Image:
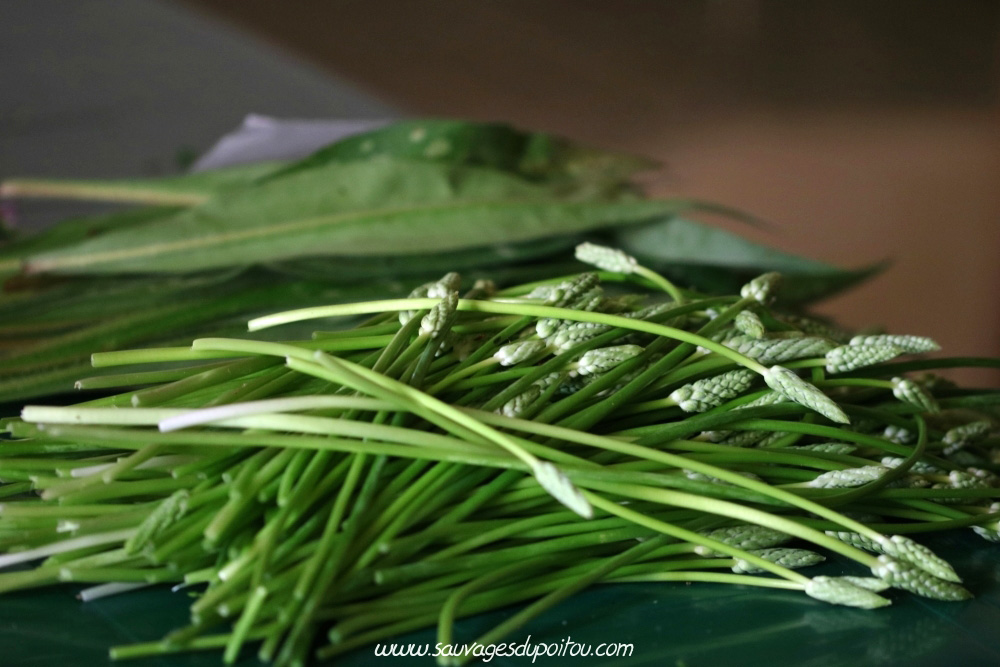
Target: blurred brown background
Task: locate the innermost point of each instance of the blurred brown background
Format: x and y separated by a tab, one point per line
863	130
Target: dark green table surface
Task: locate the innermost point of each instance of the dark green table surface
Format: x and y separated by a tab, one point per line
668	624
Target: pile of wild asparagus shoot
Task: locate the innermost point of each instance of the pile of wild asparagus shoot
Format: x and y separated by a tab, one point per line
467	449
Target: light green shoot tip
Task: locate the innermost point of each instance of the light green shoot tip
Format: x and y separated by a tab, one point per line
608	259
762	288
837	590
559	487
794	388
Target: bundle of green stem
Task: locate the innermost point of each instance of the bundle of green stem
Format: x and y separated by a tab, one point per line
51	328
458	452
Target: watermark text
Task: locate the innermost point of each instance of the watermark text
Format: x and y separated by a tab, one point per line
522	649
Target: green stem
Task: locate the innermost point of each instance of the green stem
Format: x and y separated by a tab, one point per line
500	308
709	577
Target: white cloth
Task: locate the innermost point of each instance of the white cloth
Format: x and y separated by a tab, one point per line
262	138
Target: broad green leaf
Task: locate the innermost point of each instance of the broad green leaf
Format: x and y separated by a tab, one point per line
69	232
181	190
377	207
718	261
689	242
448	141
533	154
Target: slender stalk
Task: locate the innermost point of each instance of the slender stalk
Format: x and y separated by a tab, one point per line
388	305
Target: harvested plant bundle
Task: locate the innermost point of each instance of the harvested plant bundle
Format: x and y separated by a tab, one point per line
464	451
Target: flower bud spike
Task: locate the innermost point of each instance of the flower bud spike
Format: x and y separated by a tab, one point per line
903	548
449	282
967	434
772	437
790	385
619	305
744	536
910	392
961	479
518	351
848	478
748	323
909	344
762	288
990	531
547	327
790	558
561	488
779	350
650	312
543	292
603	359
838	590
616	261
826	448
420	292
744	438
438	322
547	381
573	383
168	512
712	392
898	434
770	398
702	477
435	289
516	406
908	577
857	540
918	467
605	258
868	583
572	334
589	301
984	476
568	291
850	357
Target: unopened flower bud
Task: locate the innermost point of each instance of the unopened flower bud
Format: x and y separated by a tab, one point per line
762	288
603	257
909	344
790	385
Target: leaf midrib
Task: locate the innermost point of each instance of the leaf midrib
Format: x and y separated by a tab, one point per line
41	264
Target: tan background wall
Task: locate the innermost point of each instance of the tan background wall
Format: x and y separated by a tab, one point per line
864	131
